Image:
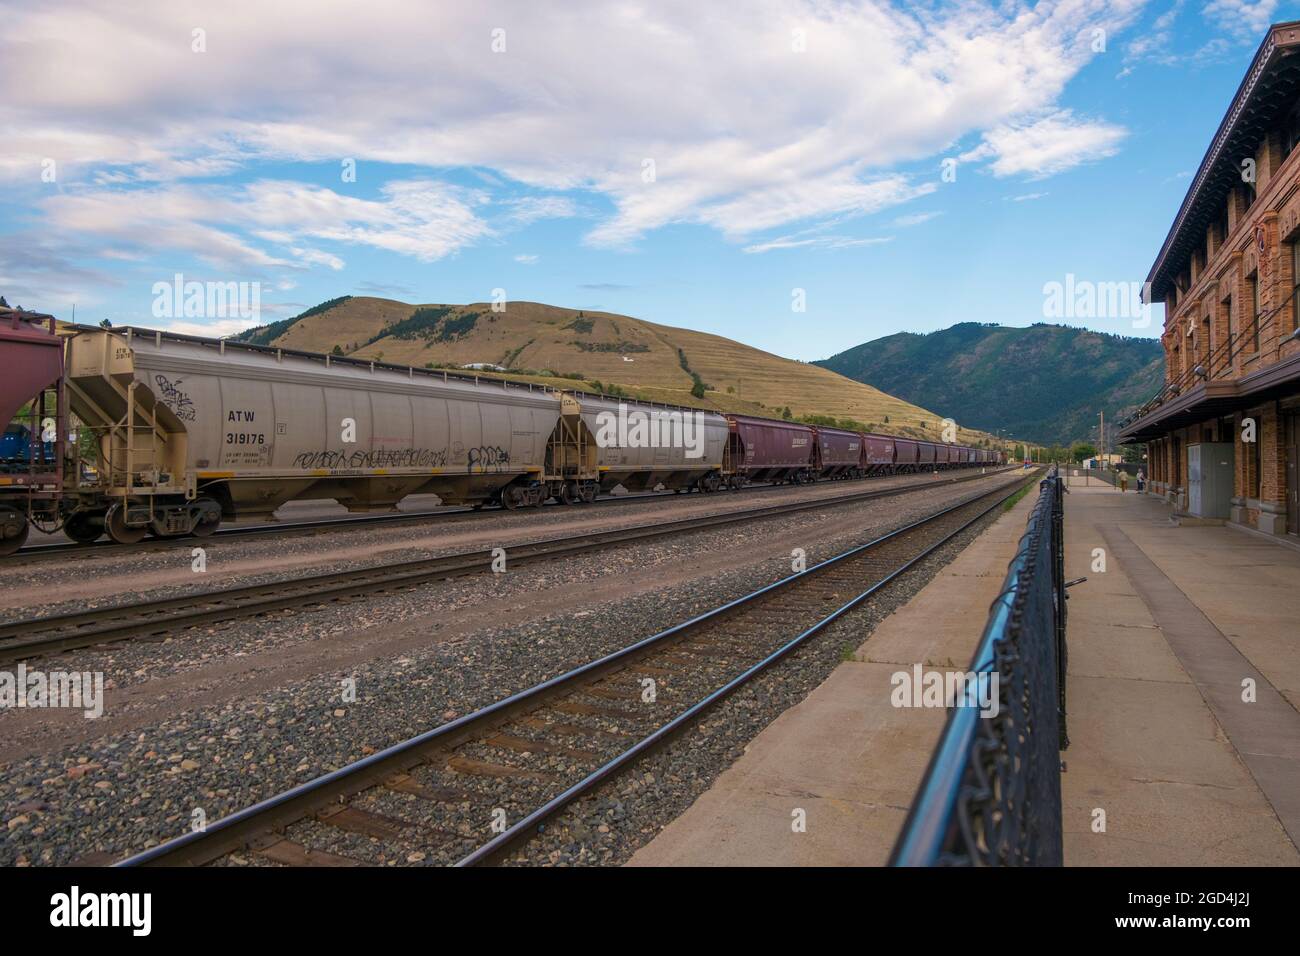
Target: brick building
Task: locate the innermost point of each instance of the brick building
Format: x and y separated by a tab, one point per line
1223	432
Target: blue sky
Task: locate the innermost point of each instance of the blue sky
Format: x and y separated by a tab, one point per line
795	146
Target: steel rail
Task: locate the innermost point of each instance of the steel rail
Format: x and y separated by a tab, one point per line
34	553
502	842
105	625
238	829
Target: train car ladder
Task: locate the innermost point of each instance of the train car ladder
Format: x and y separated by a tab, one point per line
571	452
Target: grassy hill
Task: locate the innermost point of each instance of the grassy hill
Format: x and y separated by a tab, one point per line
599	351
1045	383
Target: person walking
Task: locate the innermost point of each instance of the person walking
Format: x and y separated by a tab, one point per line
1142	481
1123	481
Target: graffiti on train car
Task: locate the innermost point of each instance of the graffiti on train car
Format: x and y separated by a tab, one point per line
373	458
172	396
487	458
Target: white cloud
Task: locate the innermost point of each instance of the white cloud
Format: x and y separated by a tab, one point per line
818	242
1243	19
916	218
1155	42
526	258
238	228
217	328
745	133
1044	145
529	209
316	257
1026	197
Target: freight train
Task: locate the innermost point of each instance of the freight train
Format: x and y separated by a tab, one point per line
191	431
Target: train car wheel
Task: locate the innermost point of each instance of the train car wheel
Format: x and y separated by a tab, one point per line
119	530
82	528
205	529
565	497
208	521
510	499
13	530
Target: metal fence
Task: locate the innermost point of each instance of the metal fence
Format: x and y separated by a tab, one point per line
1109	475
991	795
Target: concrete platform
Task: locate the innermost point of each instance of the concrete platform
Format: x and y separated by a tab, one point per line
1160	641
846	756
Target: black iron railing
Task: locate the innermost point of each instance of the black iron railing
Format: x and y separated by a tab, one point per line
991	795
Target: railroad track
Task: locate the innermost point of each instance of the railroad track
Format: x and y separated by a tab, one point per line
33	637
470	790
61	550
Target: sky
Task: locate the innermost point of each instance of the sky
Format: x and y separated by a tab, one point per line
799	176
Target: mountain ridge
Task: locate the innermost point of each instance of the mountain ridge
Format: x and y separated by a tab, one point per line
1045	383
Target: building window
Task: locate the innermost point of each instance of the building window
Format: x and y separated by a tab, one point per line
1254	461
1225	338
1295	283
1291	134
1253	329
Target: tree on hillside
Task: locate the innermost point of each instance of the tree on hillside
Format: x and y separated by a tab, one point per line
1082	450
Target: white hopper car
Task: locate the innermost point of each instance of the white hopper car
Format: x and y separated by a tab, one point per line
193	430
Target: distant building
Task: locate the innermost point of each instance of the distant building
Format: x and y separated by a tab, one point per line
1228	275
1103	461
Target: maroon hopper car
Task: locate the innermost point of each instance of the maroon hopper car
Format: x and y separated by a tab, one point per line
763	449
877	454
926	452
907	454
839	452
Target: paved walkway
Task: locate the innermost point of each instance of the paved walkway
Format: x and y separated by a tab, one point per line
1185	771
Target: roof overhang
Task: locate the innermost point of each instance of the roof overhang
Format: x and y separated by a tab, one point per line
1269	88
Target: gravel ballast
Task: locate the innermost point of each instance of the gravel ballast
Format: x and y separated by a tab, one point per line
121	792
